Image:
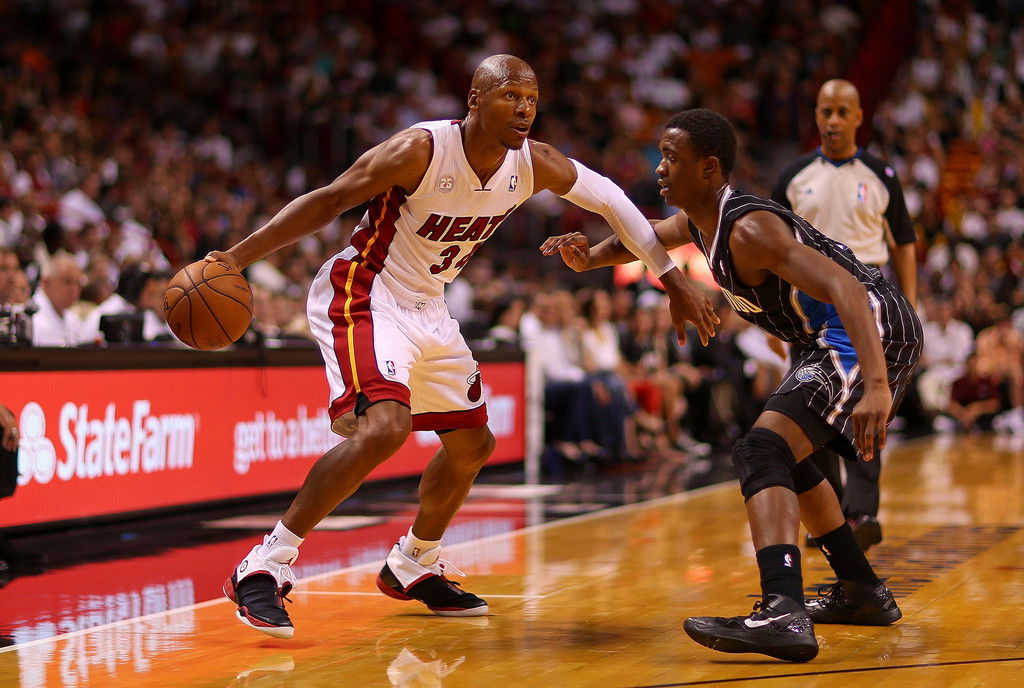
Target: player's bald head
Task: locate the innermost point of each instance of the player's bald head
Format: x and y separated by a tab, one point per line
500	69
839	89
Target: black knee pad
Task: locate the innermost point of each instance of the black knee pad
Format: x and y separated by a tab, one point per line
806	475
763	459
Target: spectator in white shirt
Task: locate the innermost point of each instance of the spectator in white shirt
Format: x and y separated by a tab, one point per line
568	394
139	290
20	291
1010	217
60	286
8	266
79	208
11	222
947	344
602	360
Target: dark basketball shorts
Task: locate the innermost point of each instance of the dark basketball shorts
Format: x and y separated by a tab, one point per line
823	386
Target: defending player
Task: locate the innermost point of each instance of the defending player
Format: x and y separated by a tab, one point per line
395	359
855	198
854	339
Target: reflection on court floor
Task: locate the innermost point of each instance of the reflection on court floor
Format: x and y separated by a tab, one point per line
593	600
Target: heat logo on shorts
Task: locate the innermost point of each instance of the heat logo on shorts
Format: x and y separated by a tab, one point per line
475	387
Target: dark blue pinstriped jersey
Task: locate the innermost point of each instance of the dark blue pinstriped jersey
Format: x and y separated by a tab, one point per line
781	309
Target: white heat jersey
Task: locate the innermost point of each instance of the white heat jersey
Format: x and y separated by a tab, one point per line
420	242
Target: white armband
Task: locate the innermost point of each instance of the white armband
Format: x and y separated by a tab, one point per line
603	196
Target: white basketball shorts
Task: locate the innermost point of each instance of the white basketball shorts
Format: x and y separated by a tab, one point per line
378	348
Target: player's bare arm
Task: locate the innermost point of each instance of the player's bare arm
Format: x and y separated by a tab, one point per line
578	254
400	161
762	243
551	169
555	172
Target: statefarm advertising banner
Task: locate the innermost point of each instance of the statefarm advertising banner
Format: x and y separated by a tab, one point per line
104	442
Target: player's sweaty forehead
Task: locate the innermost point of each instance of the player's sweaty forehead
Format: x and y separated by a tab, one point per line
502	70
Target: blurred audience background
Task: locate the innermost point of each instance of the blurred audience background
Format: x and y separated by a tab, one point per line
136	135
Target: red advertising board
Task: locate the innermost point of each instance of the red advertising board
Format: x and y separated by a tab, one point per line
105	442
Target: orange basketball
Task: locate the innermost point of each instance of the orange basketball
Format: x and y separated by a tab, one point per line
208	305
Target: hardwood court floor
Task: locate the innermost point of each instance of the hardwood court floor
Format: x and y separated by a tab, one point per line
599	601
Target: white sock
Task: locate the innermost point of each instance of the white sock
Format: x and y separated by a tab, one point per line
413	547
281	537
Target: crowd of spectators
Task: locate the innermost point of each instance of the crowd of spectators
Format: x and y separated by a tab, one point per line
192	121
951	129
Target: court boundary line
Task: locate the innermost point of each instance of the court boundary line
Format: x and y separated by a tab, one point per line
367	593
591	515
829	672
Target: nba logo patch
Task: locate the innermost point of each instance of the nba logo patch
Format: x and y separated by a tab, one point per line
513	182
390	365
862	192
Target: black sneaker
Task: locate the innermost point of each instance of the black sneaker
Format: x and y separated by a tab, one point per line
855	603
428	584
867	531
778	627
259	586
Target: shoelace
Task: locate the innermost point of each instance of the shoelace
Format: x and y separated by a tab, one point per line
830	592
444	565
286	574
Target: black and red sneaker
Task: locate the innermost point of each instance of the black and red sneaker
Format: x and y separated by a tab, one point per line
259	586
426	582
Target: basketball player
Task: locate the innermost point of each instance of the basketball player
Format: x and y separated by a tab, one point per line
395	359
854	343
855	198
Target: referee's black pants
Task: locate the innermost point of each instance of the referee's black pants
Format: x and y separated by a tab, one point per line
860	495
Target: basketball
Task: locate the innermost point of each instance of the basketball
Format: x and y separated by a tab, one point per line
208	305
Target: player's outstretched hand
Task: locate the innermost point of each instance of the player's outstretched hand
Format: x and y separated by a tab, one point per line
687	302
870	417
574	248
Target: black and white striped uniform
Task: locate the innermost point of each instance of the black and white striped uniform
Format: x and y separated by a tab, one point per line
824	362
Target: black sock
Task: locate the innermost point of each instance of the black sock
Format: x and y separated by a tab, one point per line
780	571
845	556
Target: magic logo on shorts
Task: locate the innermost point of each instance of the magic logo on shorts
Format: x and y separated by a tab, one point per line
807	373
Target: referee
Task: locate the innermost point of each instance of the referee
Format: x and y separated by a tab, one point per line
855	198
